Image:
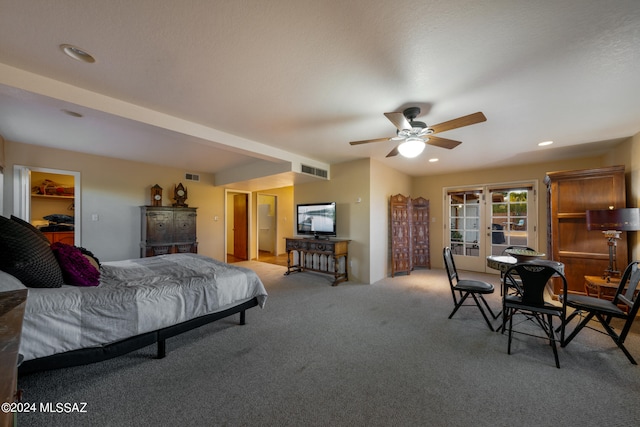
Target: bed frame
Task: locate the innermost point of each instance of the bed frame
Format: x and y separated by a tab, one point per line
86	356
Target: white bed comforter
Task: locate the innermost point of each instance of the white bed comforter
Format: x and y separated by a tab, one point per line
134	296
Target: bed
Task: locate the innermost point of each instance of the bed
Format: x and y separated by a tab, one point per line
135	302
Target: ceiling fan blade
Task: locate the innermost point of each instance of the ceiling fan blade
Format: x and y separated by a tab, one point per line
366	141
398	120
393	152
471	119
443	142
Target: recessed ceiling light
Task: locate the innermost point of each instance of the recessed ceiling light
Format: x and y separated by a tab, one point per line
542	144
71	113
433	160
77	53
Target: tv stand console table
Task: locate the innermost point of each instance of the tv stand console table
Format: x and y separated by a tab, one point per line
319	255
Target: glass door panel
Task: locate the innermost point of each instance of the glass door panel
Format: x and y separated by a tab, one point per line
510	217
465	216
485	220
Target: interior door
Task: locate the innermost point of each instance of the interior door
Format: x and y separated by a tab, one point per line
240	226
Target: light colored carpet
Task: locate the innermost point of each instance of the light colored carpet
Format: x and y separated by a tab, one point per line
375	355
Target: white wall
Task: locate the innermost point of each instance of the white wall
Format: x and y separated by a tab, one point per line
115	189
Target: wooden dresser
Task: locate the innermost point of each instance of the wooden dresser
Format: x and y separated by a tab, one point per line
319	255
569	195
66	237
168	230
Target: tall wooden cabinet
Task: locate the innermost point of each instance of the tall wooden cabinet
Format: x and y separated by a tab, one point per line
409	233
569	195
420	232
401	259
167	230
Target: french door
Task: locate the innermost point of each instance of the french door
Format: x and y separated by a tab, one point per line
484	220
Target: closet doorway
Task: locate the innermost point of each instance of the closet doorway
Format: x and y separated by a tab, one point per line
50	200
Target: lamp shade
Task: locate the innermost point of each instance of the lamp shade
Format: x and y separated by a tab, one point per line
412	147
627	219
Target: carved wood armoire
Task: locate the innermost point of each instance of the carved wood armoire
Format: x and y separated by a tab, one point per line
570	194
168	230
409	228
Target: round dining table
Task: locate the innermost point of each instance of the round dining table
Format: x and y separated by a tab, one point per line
503	262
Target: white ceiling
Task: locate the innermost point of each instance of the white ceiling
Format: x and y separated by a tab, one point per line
213	86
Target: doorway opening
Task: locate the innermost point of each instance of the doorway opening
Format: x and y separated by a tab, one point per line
237	225
266	225
50	200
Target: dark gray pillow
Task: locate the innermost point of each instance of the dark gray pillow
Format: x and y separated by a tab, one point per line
26	256
30	227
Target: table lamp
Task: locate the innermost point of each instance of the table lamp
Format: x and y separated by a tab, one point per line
612	222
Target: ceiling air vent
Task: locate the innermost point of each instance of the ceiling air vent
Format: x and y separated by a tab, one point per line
191	177
314	171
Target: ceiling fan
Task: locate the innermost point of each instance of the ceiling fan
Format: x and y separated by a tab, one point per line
414	134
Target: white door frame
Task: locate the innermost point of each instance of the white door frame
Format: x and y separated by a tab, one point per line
22	195
477	260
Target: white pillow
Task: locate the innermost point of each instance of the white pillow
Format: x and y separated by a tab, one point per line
9	282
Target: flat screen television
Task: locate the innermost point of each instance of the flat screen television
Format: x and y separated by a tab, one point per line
316	219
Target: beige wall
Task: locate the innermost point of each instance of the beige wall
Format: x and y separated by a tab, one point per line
628	154
2	157
115	189
633	191
361	190
285	224
385	182
430	187
349	182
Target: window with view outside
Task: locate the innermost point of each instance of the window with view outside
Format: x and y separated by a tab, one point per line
509	218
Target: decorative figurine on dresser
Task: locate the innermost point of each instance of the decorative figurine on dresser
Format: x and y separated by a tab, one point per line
180	195
168	229
156	195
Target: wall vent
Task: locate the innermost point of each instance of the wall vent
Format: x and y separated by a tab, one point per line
314	171
192	177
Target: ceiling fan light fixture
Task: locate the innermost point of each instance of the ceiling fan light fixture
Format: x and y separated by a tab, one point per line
411	148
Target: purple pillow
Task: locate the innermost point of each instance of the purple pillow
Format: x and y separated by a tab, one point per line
76	268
